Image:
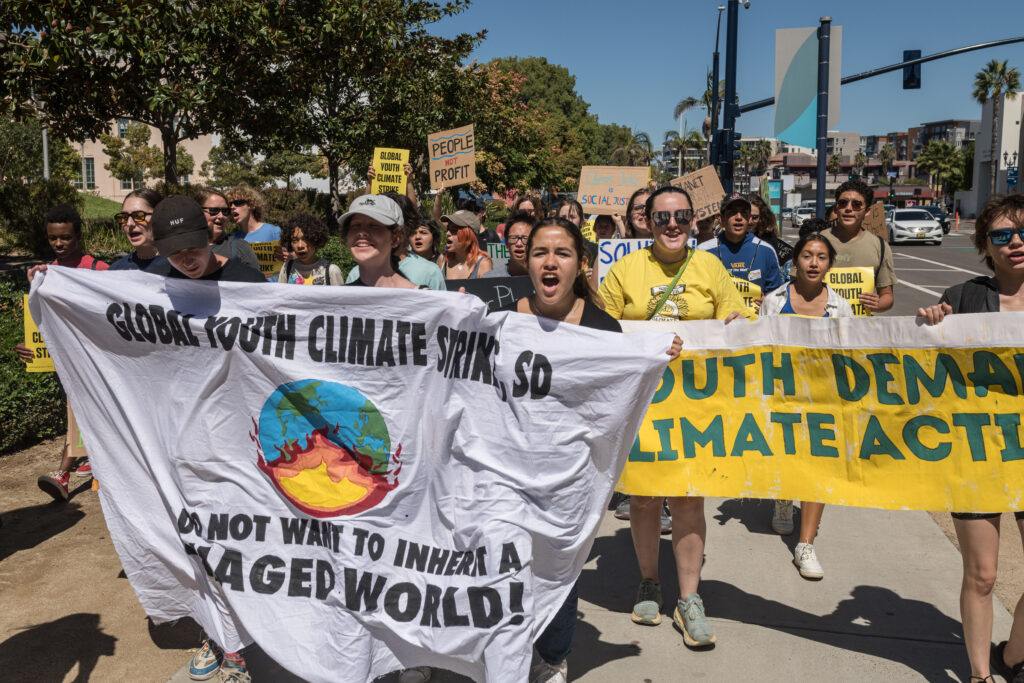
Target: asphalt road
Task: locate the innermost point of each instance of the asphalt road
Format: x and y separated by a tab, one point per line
924	271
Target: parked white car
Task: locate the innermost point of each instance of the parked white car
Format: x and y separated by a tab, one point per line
913	225
802	214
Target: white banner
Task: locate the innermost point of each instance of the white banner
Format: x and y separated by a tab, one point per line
358	480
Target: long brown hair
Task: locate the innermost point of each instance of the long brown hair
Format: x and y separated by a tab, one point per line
581	288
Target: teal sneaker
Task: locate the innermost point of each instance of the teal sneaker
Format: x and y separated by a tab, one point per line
689	617
647	610
205	663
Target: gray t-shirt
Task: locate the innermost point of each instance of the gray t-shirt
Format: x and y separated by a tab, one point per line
864	251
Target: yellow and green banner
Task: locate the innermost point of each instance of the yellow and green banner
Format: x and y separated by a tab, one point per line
869	412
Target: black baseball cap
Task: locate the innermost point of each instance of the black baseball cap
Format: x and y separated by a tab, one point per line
735	205
179	223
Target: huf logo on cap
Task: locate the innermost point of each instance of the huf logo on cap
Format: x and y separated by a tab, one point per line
176	221
369	201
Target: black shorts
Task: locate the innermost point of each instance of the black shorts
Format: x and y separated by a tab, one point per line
1019	515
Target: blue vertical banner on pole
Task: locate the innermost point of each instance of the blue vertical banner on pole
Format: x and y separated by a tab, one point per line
796	80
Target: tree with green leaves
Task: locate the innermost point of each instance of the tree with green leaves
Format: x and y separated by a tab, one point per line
637	151
21	153
760	155
835	163
991	83
943	162
185	68
132	158
886	156
860	161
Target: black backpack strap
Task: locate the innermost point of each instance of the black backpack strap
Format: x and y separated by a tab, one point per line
881	259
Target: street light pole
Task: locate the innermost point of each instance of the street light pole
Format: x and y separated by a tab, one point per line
730	111
824	34
714	94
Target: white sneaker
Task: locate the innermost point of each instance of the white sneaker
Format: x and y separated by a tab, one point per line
550	673
782	520
417	674
806	560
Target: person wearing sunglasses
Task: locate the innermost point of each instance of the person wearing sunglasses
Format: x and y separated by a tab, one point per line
517	232
856	248
999	238
748	260
247	212
218	214
133	219
634	226
670	281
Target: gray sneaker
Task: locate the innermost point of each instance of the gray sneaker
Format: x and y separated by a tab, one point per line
689	617
647	610
622	509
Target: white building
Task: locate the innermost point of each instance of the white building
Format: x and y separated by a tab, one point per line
1009	142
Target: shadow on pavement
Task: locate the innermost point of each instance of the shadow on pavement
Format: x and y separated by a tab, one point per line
874	621
182	634
27	527
590	652
613	582
74	639
756	517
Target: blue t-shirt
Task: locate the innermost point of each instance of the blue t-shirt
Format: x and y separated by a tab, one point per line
268	232
751	260
416	269
133	262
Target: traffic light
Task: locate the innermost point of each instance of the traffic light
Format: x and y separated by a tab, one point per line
892	192
734	137
911	74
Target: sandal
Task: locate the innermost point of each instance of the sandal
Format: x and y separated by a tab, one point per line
982	679
1012	674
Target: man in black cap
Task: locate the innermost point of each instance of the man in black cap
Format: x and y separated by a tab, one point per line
180	234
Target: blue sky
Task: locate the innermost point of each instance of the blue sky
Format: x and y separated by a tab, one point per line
634	60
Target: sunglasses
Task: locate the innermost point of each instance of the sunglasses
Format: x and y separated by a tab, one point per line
639	208
138	216
856	204
661	219
238	202
1003	237
217	210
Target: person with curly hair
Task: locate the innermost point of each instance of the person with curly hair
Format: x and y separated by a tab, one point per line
303	235
247	211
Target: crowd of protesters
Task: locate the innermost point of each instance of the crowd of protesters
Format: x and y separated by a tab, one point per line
688	272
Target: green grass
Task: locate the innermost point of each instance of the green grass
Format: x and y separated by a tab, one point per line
97	207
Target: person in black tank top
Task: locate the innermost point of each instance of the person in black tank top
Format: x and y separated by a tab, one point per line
999	238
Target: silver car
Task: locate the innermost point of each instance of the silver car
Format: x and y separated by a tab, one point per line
912	225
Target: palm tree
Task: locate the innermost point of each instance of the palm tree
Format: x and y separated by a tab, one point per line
859	162
674	145
835	163
887	155
991	82
760	155
942	162
636	152
687	103
692	139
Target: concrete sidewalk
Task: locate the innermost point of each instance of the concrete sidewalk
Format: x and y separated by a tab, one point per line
887	608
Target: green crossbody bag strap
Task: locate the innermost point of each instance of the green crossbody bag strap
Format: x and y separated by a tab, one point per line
672	285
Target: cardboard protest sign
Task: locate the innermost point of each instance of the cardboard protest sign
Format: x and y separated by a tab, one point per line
452	157
496	292
872	412
705	190
366	483
850	283
266	254
874	221
389	166
41	361
607	189
610	251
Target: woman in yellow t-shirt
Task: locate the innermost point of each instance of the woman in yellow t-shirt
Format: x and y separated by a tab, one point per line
648	285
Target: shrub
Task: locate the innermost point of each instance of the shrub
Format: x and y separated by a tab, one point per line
280	205
22	208
32	404
338	254
498	212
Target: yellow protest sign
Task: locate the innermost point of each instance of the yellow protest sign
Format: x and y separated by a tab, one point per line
41	361
871	412
750	293
389	166
452	157
850	283
588	230
266	254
